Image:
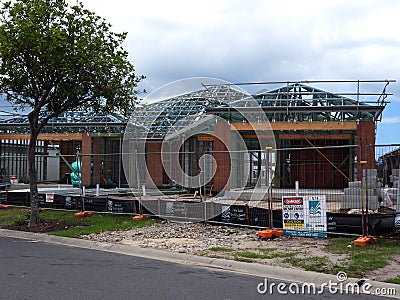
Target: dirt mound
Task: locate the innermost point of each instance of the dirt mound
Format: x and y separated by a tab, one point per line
48	226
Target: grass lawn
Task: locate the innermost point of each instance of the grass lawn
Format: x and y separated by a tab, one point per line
64	223
363	259
356	261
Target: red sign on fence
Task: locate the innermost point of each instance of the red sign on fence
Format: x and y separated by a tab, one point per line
293	201
50	198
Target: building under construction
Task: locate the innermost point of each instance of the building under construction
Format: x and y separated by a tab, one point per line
291	156
335	131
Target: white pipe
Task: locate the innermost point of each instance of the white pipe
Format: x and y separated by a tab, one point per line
144	189
296	184
398	199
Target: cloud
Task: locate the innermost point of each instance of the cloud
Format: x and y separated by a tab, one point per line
242	41
391	120
267	40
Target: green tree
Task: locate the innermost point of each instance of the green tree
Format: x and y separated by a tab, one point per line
56	57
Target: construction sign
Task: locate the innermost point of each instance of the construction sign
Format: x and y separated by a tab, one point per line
304	215
49	198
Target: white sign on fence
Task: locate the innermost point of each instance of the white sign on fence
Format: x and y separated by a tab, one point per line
50	198
304	215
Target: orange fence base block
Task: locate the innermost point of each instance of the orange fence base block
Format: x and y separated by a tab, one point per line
4	207
278	233
83	214
373	240
270	233
364	241
265	234
139	217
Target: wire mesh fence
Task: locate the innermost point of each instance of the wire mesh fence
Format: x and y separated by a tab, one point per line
310	190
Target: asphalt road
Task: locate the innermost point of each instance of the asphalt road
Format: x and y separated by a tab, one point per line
38	270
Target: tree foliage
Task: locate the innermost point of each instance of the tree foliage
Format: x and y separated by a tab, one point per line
56	57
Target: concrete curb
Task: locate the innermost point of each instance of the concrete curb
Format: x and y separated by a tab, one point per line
272	272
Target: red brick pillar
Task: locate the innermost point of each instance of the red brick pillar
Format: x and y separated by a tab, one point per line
222	143
85	157
366	142
154	164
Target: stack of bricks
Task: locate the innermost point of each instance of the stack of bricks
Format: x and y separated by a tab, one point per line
372	187
352	198
394	192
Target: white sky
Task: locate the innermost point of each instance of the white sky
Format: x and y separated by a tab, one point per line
261	40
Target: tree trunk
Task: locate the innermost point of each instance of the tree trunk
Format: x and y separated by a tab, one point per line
34	195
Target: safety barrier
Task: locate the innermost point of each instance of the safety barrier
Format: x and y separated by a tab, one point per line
312	192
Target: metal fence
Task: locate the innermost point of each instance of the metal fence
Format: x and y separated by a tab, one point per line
305	190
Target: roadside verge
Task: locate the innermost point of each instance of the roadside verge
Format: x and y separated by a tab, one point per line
265	271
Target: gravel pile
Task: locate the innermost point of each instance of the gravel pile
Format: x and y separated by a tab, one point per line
180	237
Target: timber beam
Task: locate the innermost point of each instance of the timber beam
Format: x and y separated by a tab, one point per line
58	136
280	126
43	136
315	136
300	136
